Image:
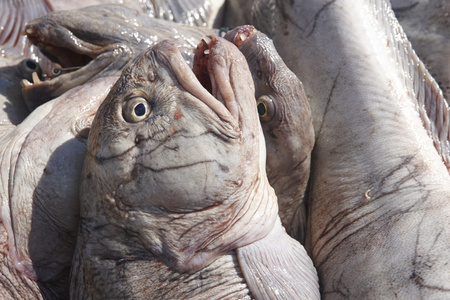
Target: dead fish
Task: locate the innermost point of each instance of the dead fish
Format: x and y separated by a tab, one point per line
379	190
174	179
66	190
97	41
41	161
286	120
427	25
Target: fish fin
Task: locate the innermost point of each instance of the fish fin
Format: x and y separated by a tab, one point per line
278	267
430	103
192	12
15	15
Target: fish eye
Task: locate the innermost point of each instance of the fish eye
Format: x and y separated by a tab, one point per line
266	108
136	109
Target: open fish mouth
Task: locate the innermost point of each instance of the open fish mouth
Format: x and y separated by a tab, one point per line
209	81
77	61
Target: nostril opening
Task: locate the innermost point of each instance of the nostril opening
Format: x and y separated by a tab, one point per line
31	64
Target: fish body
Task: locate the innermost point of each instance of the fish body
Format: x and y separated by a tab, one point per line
188	188
41	161
379	186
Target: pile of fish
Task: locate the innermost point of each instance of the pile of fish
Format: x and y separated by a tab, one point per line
148	152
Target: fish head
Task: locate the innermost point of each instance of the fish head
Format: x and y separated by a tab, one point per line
282	105
81	45
163	147
160	118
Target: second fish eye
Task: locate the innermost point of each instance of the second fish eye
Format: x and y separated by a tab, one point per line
266	108
136	109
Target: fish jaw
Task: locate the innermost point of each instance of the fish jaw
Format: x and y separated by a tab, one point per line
61	45
186	181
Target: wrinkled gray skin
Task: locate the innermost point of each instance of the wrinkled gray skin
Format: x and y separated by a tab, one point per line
427	25
379	190
40	163
286	120
98	41
67	189
174	179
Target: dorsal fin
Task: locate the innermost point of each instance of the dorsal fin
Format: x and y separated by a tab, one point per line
430	103
15	14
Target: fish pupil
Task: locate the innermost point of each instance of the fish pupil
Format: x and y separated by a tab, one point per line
262	109
139	110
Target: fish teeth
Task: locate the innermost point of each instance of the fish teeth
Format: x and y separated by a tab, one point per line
36	78
25	83
29	30
242	36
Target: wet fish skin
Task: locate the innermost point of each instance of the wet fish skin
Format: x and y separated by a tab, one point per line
188	139
190	12
286	121
41	161
379	208
164	130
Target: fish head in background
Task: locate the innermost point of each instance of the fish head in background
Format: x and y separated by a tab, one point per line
286	121
96	41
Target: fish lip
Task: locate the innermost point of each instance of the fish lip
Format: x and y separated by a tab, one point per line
191	83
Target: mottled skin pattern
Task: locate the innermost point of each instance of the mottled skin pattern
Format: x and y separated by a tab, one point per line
286	122
66	190
188	186
190	173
